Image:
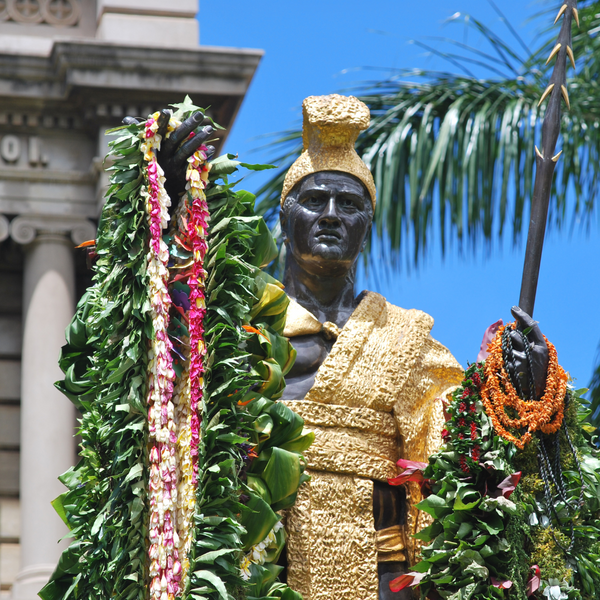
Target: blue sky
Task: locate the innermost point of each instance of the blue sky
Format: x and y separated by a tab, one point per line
320	47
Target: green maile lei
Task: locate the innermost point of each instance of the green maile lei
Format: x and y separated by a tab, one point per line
493	534
250	455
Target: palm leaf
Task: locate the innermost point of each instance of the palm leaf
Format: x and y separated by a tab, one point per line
464	147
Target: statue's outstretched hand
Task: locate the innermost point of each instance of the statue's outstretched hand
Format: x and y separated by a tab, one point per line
518	365
175	150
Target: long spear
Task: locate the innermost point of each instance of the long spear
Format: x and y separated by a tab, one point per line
546	159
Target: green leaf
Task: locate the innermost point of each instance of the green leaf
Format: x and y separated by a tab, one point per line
429	533
492	523
116	375
478	570
58	505
435	506
134	472
256	484
263	425
232	438
271	375
464	530
214	580
253	167
258	519
97	524
224	165
185	108
209	557
300	443
460	505
501	503
282	472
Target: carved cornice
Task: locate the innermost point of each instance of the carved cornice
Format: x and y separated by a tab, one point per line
26	228
104	66
84	84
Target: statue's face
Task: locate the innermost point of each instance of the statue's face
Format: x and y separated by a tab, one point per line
327	224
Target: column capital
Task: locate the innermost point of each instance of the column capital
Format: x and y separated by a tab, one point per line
24	229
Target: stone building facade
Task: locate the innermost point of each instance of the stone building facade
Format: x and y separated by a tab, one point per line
70	69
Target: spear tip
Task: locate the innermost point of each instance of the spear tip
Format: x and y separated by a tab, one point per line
571	55
576	15
546	93
565	94
554	52
561	12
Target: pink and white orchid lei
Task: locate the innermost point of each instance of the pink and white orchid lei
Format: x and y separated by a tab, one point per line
189	437
165	568
186	490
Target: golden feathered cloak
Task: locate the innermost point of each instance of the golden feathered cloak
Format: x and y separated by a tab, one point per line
376	398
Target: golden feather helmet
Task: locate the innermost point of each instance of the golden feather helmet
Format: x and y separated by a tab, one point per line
331	125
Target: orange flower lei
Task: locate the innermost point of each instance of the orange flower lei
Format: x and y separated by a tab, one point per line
498	393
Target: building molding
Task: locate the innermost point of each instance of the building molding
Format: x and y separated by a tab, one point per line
109	66
160	10
48	175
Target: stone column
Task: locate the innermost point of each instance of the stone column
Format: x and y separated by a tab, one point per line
47	417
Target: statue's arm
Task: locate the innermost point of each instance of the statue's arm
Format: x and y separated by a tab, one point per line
179	146
527	358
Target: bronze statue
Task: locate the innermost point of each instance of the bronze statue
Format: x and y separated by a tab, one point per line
369	379
365	372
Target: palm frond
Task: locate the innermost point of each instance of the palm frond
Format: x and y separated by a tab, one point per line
463	147
286	148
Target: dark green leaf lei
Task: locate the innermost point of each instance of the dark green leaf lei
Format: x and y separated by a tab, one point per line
492	536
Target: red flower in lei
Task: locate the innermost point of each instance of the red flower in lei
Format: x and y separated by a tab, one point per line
464	422
463	463
473	430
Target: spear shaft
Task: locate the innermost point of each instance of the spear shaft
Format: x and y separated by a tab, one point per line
546	159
